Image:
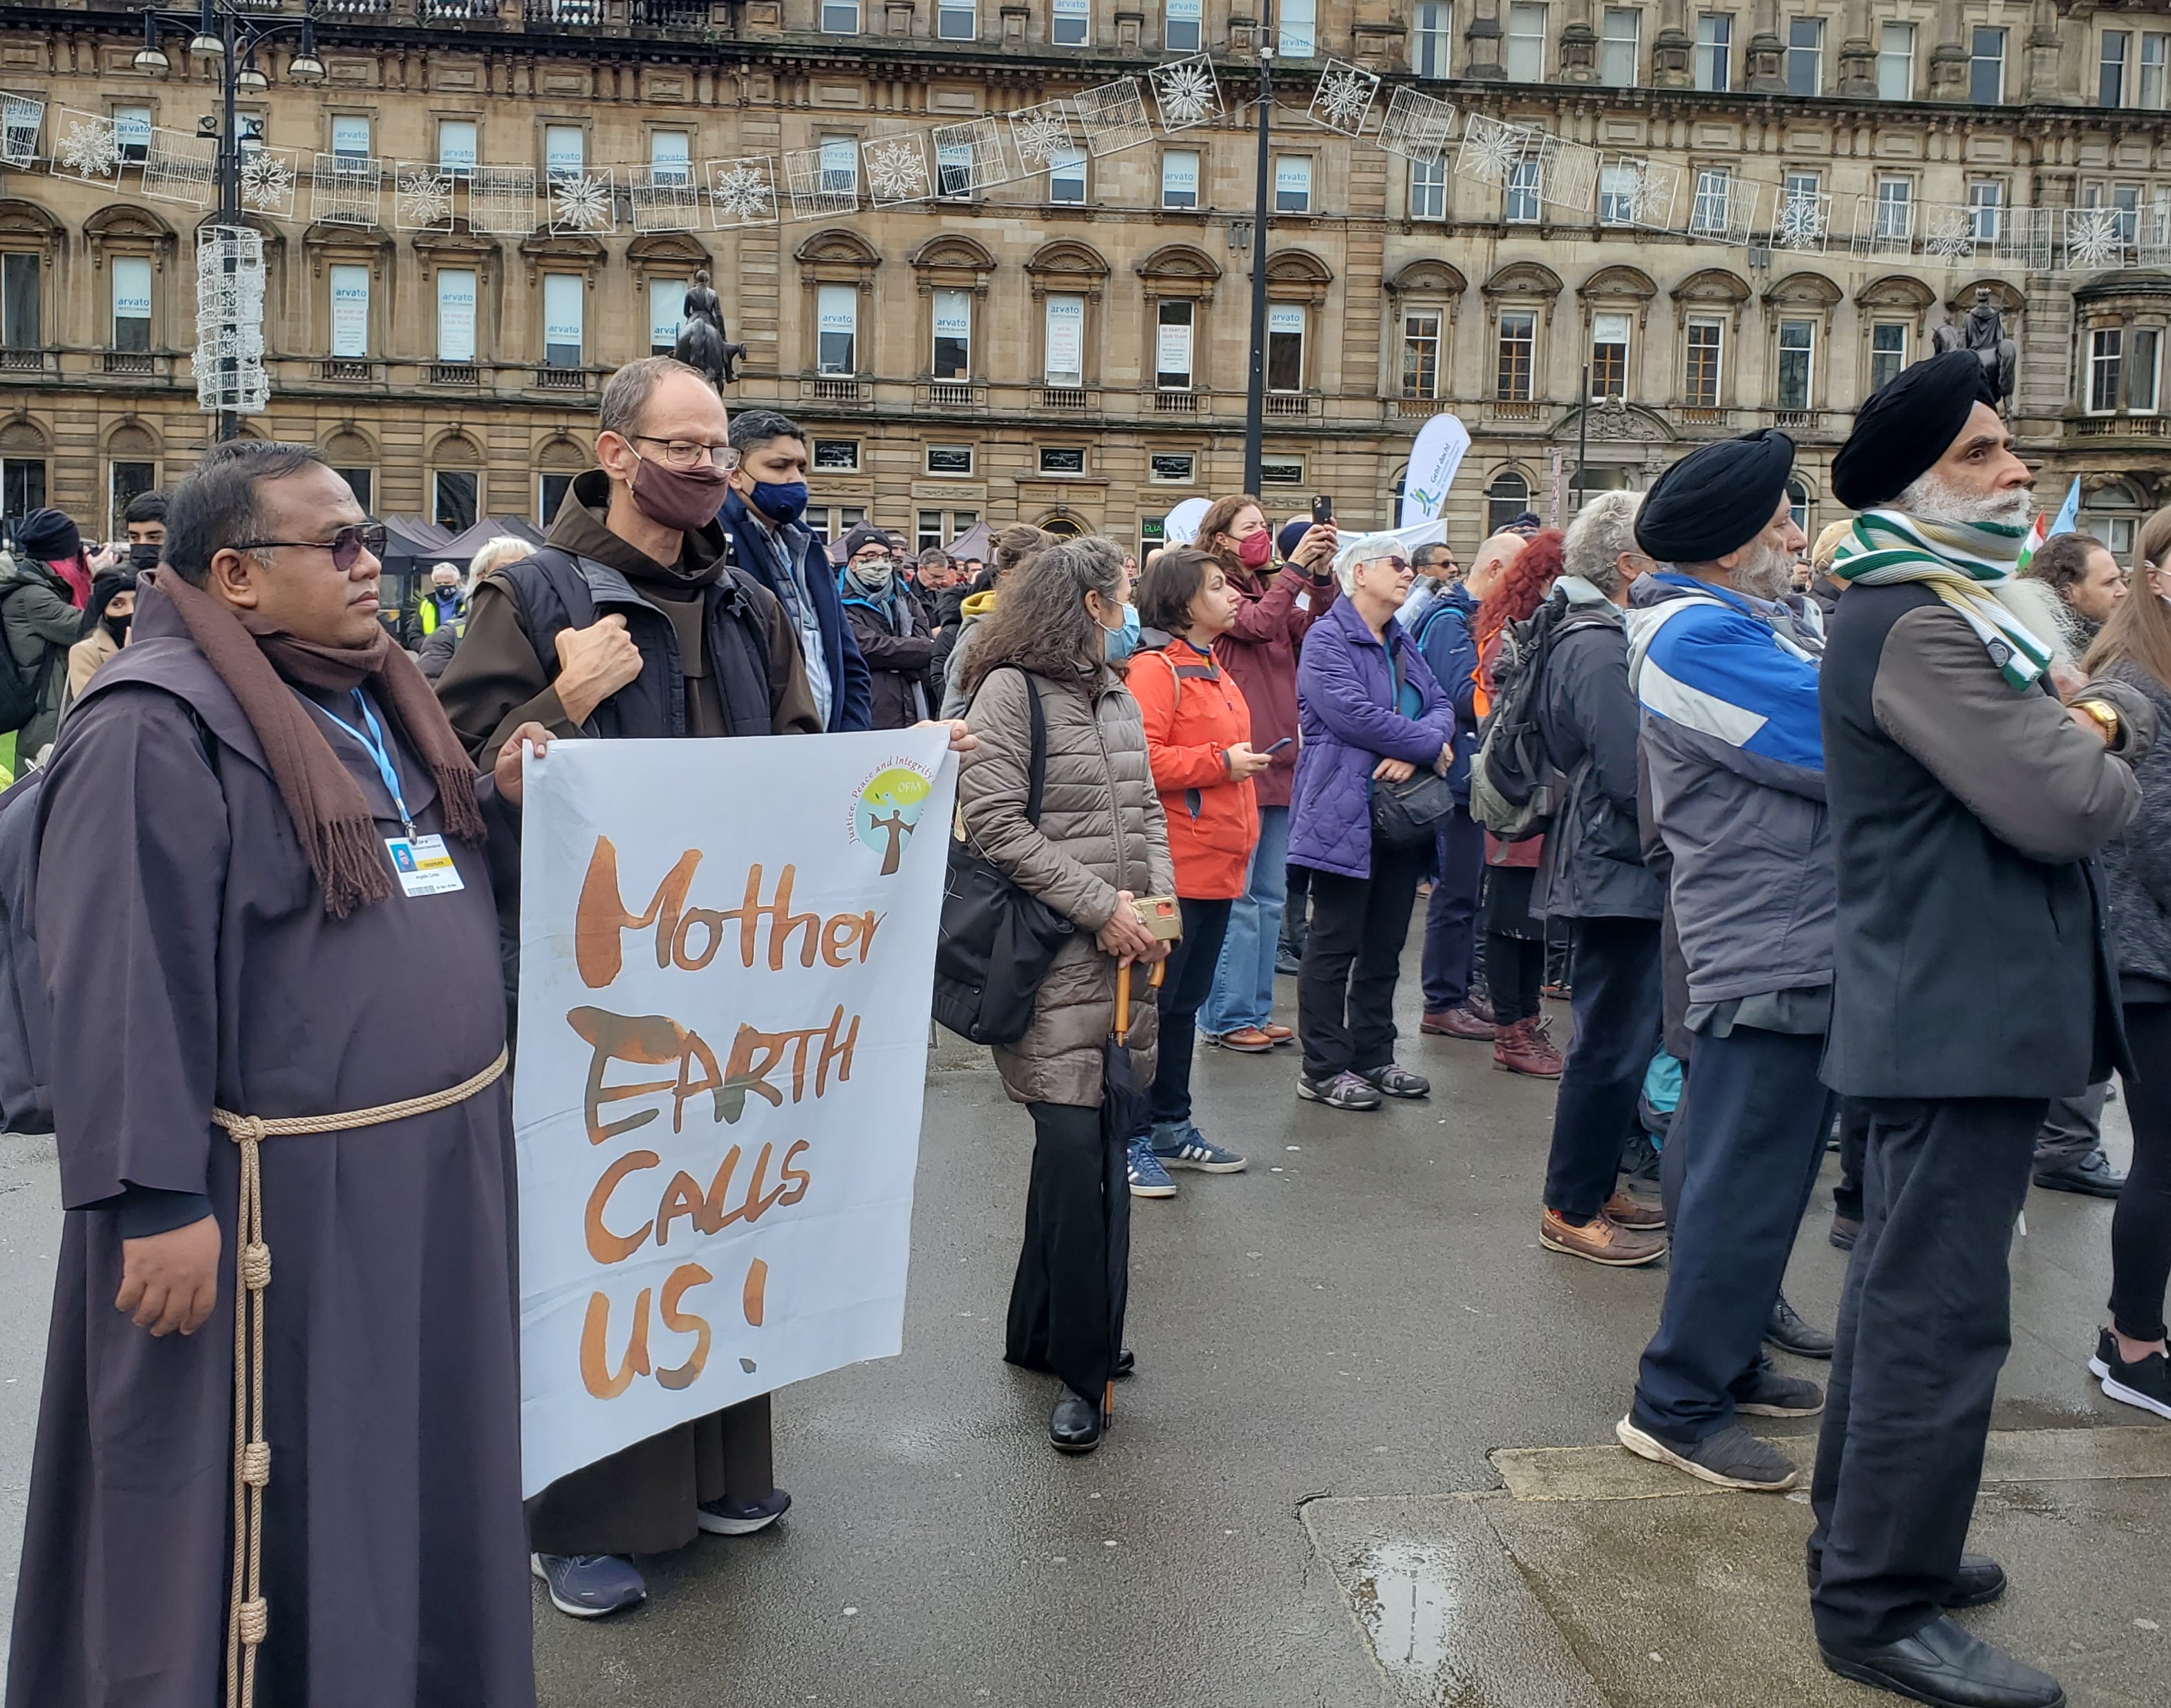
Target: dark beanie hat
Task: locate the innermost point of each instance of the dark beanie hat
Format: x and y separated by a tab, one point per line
865	534
1902	430
49	536
1717	498
1291	536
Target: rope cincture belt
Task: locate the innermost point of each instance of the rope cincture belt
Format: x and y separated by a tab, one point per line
249	1614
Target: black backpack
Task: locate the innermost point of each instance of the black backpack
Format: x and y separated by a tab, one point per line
1515	787
22	687
26	1098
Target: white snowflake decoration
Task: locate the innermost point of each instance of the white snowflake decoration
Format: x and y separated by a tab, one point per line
88	148
1417	126
21	118
1652	195
1114	117
1187	93
742	192
345	191
180	168
267	182
2094	238
1948	234
1344	96
584	203
819	191
971	156
1041	133
897	170
1491	149
665	199
1802	221
501	200
421	198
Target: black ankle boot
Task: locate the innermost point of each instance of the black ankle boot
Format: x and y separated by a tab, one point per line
1075	1424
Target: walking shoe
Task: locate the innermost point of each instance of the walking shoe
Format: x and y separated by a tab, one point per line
1278	1034
1785	1331
1782	1396
1845	1230
1455	1023
1148	1179
1526	1047
1624	1209
1183	1146
1287	962
1734	1458
2145	1383
588	1586
2091	1176
1345	1090
1248	1041
1600	1241
1947	1665
729	1517
1397	1081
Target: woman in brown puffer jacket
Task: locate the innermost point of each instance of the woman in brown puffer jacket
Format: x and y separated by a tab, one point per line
1101	841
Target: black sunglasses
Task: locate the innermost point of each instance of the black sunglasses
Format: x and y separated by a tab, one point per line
346	545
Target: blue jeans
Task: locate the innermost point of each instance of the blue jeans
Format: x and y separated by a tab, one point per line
1243	993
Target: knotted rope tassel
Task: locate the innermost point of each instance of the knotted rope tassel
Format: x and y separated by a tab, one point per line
249	1616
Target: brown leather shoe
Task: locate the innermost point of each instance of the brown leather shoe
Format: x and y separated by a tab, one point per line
1624	1209
1455	1023
1278	1034
1250	1040
1524	1048
1600	1241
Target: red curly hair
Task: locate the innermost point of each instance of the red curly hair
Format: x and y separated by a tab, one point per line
1524	588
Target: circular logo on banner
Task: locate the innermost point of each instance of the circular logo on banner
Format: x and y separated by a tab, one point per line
887	809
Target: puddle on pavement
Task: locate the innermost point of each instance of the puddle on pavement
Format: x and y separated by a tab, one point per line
1408	1598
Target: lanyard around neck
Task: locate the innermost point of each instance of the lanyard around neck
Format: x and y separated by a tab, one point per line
374	744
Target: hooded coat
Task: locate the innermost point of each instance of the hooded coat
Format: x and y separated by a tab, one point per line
1193	714
891	634
41	621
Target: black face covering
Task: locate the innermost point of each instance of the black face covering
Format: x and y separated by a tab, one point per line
143	557
117	627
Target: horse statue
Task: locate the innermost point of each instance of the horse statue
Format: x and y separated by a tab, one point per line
1982	333
701	341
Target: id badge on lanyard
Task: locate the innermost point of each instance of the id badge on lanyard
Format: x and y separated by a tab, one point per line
423	864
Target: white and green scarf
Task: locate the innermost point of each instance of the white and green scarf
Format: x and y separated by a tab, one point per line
1961	563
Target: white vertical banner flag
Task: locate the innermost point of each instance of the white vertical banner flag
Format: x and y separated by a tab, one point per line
723	1048
1434	459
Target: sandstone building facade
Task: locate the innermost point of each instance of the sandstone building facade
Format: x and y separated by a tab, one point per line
1071	348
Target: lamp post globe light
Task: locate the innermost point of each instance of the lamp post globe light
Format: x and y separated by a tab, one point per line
218	33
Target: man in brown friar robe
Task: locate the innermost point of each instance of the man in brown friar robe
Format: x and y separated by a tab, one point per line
263	892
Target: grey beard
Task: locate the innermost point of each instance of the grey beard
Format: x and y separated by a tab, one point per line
1928	499
1768	575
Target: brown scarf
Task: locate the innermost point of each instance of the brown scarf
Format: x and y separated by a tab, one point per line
331	816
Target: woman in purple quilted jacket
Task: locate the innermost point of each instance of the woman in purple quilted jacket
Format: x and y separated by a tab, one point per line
1368	712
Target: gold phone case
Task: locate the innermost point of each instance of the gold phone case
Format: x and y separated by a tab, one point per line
1161	916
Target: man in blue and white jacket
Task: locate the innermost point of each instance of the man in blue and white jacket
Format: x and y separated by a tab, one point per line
1726	676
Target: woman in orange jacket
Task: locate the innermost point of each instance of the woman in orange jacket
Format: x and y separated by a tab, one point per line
1199	736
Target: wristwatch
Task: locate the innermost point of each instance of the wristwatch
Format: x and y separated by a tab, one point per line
2105	717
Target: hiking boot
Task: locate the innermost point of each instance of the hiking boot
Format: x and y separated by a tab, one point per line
1148	1178
1733	1458
1455	1023
1397	1081
1624	1209
1181	1145
1600	1241
1782	1396
1345	1090
1525	1047
1246	1041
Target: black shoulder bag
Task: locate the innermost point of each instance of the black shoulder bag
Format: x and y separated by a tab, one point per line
997	942
1409	814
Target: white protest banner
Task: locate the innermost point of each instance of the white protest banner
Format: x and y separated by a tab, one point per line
1181	526
727	951
1434	460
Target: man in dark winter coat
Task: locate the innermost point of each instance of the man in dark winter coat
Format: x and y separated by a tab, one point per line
890	628
1972	986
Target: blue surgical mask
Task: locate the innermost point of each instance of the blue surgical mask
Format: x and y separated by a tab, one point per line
781	504
1124	641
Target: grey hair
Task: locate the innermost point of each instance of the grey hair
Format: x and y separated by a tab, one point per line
1041	622
627	392
505	548
1369	549
1601	531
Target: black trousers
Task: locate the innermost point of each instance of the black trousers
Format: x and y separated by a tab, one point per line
1296	916
1514	974
1189	976
1853	1145
1450	934
1345	996
1072	1275
1925	1325
1617	1001
1751	1135
2141	1226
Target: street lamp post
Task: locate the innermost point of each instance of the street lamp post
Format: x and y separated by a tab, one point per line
217	32
1255	392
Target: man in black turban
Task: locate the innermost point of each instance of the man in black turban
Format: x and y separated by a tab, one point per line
1903	430
1968	988
1723	514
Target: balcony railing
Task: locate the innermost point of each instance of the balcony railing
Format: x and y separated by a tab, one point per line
26	362
1176	403
668	15
1797	419
458	11
347	370
949	393
1698	415
452	374
1515	409
833	388
1070	400
580	13
357	8
1288	403
131	362
1411	409
562	379
2122	427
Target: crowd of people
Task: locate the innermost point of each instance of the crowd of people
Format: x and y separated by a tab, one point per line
1856	844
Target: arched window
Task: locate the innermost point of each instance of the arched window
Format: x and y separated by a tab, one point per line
1507	498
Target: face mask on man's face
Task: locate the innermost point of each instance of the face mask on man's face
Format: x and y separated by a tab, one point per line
142	557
